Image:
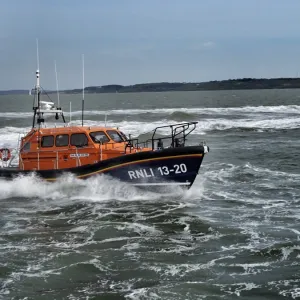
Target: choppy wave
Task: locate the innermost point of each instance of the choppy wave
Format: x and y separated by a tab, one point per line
282	109
265	182
250	124
9	135
174	240
182	116
233	119
289	109
69	232
225	237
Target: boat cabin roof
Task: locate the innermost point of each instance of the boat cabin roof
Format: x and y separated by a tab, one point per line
96	133
72	129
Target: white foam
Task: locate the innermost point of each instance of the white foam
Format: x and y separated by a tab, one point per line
139	228
142	293
223	174
252	268
79	229
99	188
293	292
237	288
289	109
9	135
286	251
287	288
246	123
180	269
16	115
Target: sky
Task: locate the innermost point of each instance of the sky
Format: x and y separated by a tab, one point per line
141	41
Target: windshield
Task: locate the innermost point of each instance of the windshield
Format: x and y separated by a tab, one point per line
99	137
115	136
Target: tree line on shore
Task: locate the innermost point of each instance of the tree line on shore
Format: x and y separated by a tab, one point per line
230	84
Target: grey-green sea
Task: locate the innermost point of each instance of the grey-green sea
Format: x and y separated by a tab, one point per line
234	235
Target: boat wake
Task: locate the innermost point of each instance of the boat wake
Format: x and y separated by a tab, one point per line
68	188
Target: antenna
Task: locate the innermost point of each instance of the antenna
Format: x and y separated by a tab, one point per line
82	88
37	54
37	104
58	104
70	112
37	87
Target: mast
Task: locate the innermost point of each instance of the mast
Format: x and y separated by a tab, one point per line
57	91
38	110
82	89
37	73
36	105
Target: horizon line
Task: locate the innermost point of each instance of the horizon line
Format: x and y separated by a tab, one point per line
158	82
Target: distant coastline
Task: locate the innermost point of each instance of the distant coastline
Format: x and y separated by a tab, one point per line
230	84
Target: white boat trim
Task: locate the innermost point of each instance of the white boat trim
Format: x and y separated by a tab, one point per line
160	183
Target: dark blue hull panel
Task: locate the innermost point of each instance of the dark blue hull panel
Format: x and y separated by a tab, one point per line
164	167
177	169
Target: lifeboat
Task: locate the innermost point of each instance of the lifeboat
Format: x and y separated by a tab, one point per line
85	151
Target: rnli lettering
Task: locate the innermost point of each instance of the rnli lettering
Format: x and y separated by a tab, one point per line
141	173
160	171
79	155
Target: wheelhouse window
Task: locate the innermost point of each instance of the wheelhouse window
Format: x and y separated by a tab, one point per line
79	140
115	136
47	141
62	140
99	137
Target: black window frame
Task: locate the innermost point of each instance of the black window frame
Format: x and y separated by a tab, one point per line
123	135
63	134
47	136
79	133
101	131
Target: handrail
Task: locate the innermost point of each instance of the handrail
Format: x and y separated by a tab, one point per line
176	130
77	157
173	125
